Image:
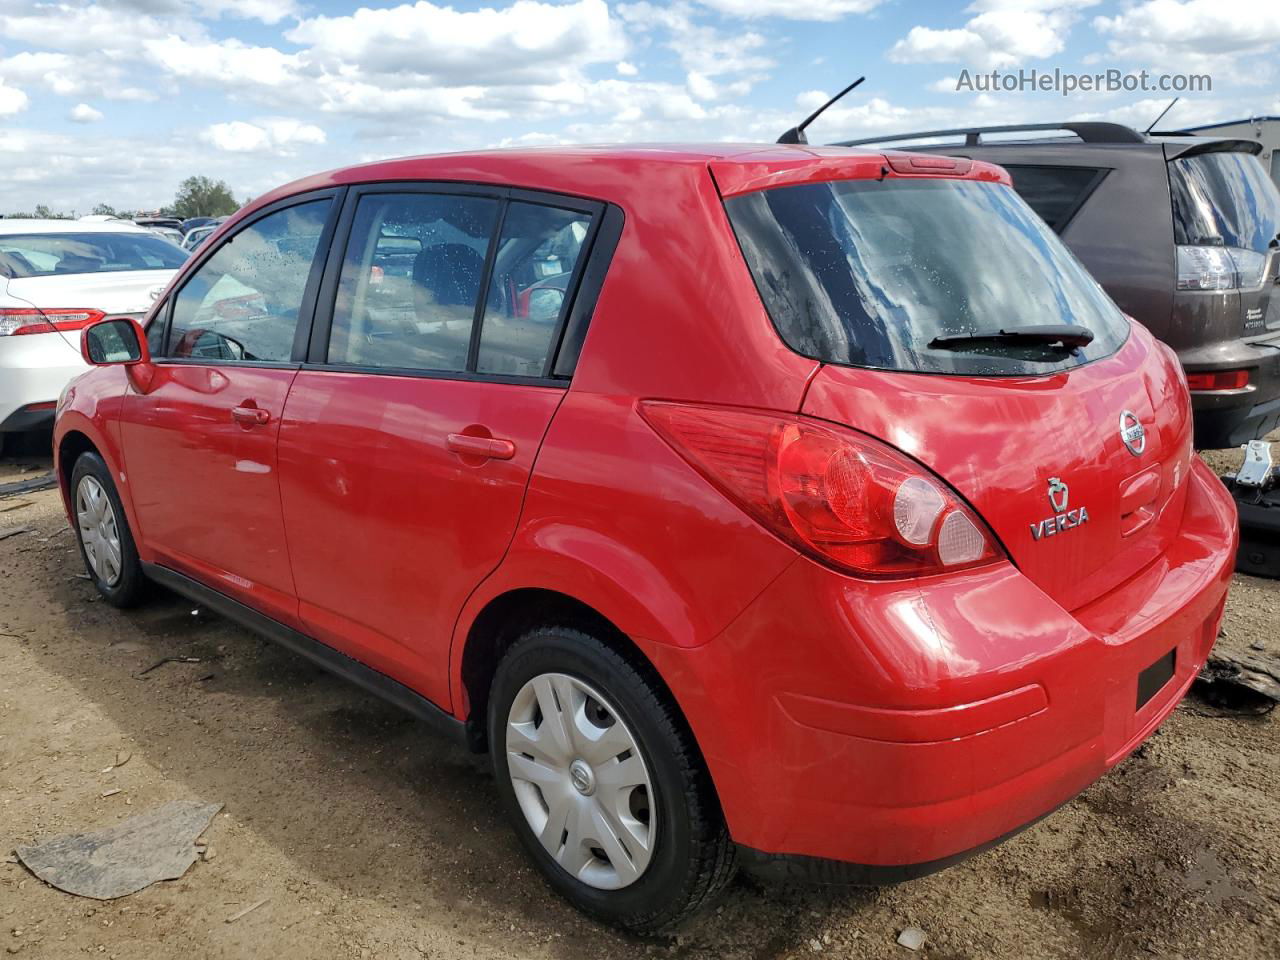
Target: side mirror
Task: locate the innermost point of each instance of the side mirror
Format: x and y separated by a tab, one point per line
114	340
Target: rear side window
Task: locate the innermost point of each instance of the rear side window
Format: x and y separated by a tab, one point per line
243	302
58	254
869	272
1056	193
533	272
1224	199
411	281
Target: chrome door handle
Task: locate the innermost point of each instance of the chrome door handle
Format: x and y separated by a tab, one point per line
250	416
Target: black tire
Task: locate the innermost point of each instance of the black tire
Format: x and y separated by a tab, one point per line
130	586
693	857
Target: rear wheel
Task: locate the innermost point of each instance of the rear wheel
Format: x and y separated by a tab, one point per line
604	784
106	543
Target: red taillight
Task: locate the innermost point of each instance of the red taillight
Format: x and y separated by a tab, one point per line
16	321
850	501
1218	380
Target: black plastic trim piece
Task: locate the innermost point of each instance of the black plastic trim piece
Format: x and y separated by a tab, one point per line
590	283
784	867
1153	679
319	653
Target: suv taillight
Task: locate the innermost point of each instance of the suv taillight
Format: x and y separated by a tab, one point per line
1219	268
839	496
16	321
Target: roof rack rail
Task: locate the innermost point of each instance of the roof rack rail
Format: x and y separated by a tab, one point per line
1089	132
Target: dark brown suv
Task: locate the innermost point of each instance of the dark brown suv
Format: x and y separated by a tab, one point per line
1182	231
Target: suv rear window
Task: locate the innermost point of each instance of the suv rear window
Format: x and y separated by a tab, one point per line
868	272
55	254
1224	199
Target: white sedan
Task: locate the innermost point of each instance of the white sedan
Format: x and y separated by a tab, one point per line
56	276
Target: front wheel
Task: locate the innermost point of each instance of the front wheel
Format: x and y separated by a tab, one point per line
603	782
106	543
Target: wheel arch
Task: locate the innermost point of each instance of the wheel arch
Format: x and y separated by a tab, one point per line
509	615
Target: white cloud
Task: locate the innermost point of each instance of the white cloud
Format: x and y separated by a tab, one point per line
626	69
94	29
1002	34
83	113
702	49
700	86
279	136
268	11
1217	36
228	63
72	76
789	10
525	42
12	100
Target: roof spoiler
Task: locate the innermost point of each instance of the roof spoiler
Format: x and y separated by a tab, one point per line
1087	131
1198	144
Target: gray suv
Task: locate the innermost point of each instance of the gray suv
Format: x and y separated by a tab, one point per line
1182	231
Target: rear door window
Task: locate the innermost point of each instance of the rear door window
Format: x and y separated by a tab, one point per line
1056	193
411	281
869	272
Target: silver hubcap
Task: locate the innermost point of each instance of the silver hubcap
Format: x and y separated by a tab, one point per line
580	781
98	530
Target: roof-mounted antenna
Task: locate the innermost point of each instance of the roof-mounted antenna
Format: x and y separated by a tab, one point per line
796	134
1162	113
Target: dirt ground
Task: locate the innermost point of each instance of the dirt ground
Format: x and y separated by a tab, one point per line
369	836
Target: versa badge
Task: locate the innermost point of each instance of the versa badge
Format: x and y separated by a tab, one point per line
1063	519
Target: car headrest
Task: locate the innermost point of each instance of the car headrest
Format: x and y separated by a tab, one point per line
451	271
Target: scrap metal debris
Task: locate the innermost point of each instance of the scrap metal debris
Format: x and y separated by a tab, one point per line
126	857
42	482
1243	682
161	663
912	938
247	910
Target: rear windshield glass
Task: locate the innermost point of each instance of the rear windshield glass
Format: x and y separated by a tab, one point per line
1224	199
868	273
53	254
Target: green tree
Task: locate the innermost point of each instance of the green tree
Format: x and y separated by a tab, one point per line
104	210
204	197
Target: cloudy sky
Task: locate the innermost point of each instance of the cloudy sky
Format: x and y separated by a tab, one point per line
116	101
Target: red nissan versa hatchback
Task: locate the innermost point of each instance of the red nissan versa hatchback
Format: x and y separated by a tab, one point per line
802	509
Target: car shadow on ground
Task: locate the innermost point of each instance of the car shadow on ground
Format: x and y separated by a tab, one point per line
360	794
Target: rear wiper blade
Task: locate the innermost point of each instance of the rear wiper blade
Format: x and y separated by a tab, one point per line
1066	336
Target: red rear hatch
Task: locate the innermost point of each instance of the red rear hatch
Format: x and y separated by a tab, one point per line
1001	442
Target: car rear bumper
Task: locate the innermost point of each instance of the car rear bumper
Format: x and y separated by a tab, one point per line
33	370
1228	418
895	728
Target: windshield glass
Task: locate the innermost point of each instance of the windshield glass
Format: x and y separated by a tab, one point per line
868	272
56	254
1224	199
